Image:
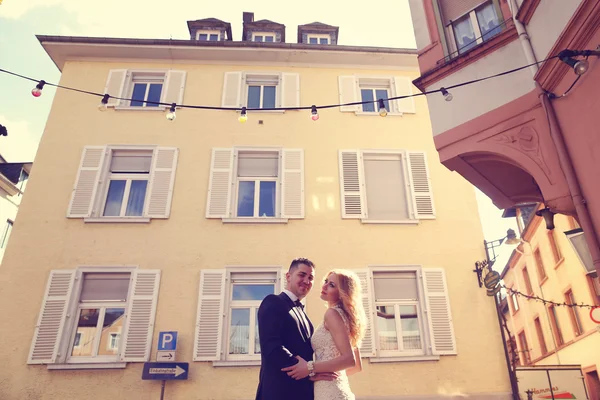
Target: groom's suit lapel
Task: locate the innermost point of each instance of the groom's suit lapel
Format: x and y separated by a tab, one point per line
298	318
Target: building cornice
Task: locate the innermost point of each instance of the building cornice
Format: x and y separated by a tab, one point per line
527	10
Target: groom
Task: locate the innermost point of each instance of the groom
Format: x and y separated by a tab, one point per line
285	331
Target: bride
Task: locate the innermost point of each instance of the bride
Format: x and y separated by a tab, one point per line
336	340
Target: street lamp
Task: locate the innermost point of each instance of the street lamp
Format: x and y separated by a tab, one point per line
511	238
548	216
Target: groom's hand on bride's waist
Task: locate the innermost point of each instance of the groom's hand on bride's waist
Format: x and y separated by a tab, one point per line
299	370
325	376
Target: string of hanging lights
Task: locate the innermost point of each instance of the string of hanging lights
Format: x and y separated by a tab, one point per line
566	56
544	301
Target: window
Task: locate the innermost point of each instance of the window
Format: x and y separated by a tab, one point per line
558	336
527	281
263	37
23	181
356	89
6	234
573	313
318	39
235	292
540	334
399	321
114	183
207	36
524	349
515	301
554	246
540	266
256	185
145	88
595	288
106	304
474	28
412	313
261	90
385	186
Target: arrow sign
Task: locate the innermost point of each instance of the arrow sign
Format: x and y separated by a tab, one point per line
165	371
165	356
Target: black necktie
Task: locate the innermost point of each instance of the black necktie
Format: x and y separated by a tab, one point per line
298	304
305	328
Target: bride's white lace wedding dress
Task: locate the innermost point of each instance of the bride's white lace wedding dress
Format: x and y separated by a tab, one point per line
325	349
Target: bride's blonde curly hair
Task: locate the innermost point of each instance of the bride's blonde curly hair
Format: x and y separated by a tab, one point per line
350	302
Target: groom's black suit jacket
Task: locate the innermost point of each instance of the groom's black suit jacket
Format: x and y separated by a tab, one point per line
281	340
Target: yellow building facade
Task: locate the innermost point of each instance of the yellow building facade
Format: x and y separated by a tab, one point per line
142	224
547	265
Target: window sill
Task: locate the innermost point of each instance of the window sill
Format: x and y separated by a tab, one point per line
265	220
140	220
544	280
127	108
559	262
118	365
237	363
399	222
376	114
264	112
403	359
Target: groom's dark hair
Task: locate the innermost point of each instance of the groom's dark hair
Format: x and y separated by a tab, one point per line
297	261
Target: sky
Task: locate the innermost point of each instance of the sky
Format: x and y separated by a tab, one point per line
386	24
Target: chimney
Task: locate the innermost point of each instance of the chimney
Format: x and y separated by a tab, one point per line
248	17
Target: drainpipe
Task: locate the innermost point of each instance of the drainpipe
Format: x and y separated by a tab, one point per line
564	158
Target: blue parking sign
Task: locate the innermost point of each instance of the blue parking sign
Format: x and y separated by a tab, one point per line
167	341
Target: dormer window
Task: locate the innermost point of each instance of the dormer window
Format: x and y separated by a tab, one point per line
263	37
318	39
207	36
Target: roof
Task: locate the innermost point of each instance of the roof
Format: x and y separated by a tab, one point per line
12	171
209	22
265	24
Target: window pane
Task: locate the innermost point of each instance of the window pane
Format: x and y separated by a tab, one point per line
386	328
239	336
86	329
139	93
258	38
214	38
203	36
253	96
488	21
268	97
251	292
269	39
77	339
266	205
383	94
323	41
367	95
114	199
464	34
137	194
312	40
411	333
246	199
395	285
104	286
111	331
256	337
154	94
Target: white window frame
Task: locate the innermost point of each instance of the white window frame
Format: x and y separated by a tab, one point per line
318	36
421	310
374	88
208	32
261	79
253	305
474	23
148	77
263	35
409	200
375	83
8	227
257	180
67	339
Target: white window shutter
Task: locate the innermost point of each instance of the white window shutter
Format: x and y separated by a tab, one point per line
348	91
367	348
351	184
439	316
141	310
115	86
420	185
162	180
52	317
209	321
232	90
86	184
174	87
220	181
402	86
292	183
290	90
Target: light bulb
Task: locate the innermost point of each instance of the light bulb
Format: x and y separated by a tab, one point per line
243	116
37	90
447	95
314	114
171	114
103	106
382	111
581	67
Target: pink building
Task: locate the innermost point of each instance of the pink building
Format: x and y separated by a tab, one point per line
528	136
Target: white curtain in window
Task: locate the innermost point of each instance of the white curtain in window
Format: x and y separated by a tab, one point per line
488	21
465	36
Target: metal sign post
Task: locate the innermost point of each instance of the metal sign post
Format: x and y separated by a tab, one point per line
165	368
